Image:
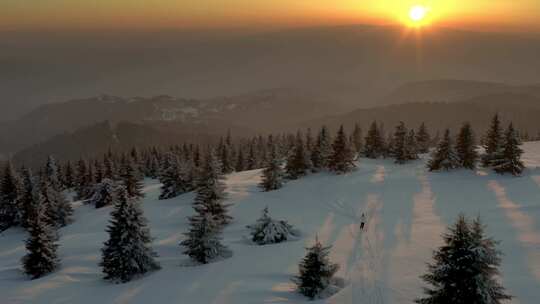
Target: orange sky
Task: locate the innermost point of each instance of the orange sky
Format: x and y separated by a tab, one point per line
521	15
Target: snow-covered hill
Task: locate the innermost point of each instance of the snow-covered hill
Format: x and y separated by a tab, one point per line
407	207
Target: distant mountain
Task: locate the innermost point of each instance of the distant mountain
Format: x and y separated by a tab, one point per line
522	109
446	90
355	65
244	115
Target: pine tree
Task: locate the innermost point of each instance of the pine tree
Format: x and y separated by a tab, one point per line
203	241
493	142
342	160
172	183
273	174
69	176
297	162
399	149
132	184
315	271
27	199
127	253
52	174
104	193
411	146
465	268
444	157
57	209
423	139
322	151
210	191
509	159
269	231
373	143
356	138
41	258
252	158
9	189
240	161
466	147
82	181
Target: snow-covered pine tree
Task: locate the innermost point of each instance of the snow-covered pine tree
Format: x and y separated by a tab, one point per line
297	162
310	146
99	171
356	138
269	231
493	142
41	258
272	175
225	157
127	253
423	139
52	174
172	183
103	193
315	271
211	190
342	160
57	208
9	189
411	146
251	162
203	240
373	143
69	176
322	151
399	149
465	268
444	157
27	199
466	147
83	180
240	161
509	159
130	181
109	169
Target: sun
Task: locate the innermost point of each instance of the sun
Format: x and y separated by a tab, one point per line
418	13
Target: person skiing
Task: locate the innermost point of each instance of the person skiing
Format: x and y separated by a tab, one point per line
362	221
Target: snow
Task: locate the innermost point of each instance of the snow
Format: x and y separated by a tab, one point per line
407	210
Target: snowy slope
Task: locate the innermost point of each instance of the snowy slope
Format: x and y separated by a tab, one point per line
407	207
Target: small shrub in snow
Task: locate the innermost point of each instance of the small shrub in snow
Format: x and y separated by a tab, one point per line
316	278
269	231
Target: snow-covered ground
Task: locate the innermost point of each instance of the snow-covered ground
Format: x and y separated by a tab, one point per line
407	207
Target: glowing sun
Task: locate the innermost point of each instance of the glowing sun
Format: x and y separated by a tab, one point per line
418	13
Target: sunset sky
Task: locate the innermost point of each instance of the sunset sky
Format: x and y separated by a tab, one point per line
521	15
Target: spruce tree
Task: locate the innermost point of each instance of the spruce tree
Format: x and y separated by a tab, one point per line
315	271
131	182
509	159
104	193
127	253
41	258
465	268
297	162
342	160
170	177
411	146
203	240
9	189
240	161
27	199
69	176
373	143
444	157
272	178
58	210
423	139
493	142
399	149
322	151
269	231
211	190
466	147
356	138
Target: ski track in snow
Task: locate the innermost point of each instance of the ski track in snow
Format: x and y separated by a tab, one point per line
410	255
523	224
